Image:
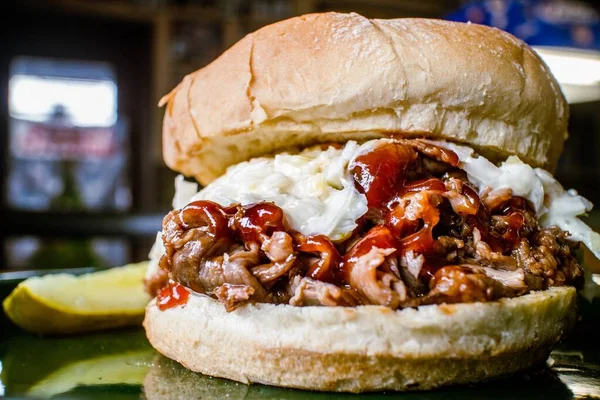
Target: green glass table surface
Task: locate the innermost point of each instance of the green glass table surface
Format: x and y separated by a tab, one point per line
120	364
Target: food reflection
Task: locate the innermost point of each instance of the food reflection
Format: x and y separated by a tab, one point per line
50	367
169	380
582	378
122	365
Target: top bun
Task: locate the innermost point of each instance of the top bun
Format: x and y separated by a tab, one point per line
335	77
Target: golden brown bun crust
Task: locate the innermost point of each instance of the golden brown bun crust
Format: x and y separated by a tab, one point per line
365	348
334	77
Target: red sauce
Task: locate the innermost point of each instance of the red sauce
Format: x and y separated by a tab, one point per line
399	222
250	222
442	154
172	295
379	236
514	218
432	184
206	213
379	172
325	269
381	175
419	242
255	221
404	225
512	212
515	222
448	156
473	199
476	221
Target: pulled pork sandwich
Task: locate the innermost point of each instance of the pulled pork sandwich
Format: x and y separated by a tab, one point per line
377	211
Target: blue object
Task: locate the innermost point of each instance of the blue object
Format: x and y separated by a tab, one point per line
555	23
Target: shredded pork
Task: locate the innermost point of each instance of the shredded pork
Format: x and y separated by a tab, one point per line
432	240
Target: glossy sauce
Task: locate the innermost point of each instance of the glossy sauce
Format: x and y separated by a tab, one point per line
399	222
381	175
256	221
478	221
379	236
205	213
432	184
326	268
515	222
449	156
378	173
172	295
444	155
251	223
421	241
513	210
474	202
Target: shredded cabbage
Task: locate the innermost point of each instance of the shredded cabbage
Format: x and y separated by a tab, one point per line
314	188
184	191
156	252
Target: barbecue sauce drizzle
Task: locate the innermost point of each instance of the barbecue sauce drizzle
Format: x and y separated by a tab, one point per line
386	185
249	223
382	176
172	295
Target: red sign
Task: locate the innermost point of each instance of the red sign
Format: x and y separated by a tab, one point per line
46	141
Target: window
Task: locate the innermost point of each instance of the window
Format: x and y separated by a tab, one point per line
67	152
67	145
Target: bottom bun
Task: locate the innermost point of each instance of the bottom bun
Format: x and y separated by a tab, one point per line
366	348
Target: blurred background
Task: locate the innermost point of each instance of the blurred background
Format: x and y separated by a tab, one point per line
82	175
